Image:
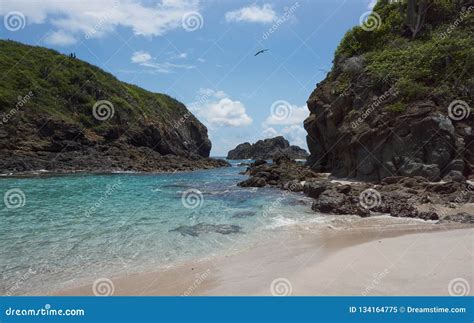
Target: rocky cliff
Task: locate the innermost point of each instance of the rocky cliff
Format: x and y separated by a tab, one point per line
267	149
398	100
59	113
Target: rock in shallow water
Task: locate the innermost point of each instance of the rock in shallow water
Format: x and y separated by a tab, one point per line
253	182
202	228
243	214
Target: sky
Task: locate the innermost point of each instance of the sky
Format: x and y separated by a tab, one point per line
202	53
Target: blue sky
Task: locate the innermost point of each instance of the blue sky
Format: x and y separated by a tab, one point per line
202	53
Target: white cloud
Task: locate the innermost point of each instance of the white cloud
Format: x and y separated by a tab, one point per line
294	116
207	93
253	13
270	132
219	110
144	59
296	135
290	127
141	57
226	112
97	18
60	38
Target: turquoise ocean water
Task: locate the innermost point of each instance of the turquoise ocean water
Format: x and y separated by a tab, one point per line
59	231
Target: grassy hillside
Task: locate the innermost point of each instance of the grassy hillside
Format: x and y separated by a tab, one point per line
67	88
47	118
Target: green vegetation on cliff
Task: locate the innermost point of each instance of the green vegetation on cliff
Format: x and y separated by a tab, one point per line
398	100
60	113
67	88
437	62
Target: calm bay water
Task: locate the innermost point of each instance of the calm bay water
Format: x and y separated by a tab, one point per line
76	227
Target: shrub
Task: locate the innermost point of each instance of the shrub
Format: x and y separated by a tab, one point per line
397	107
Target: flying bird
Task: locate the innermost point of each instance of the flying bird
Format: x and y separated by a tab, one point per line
260	52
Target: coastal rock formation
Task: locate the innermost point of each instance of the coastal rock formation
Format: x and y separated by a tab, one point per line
59	114
398	196
397	103
395	112
267	149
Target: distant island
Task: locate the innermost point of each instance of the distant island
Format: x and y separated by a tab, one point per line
267	149
62	114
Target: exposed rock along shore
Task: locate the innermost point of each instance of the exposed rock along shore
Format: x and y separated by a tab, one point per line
413	197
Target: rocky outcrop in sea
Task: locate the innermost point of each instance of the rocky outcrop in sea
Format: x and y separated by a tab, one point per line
267	149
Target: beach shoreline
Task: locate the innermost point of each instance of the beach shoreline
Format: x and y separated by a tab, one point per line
365	256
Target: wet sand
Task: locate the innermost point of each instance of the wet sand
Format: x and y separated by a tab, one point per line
373	256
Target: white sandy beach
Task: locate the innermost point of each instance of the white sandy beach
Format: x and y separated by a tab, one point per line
373	256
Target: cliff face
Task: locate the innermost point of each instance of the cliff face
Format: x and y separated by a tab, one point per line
395	103
59	113
267	149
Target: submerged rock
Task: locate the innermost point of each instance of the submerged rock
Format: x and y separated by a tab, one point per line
243	214
203	228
